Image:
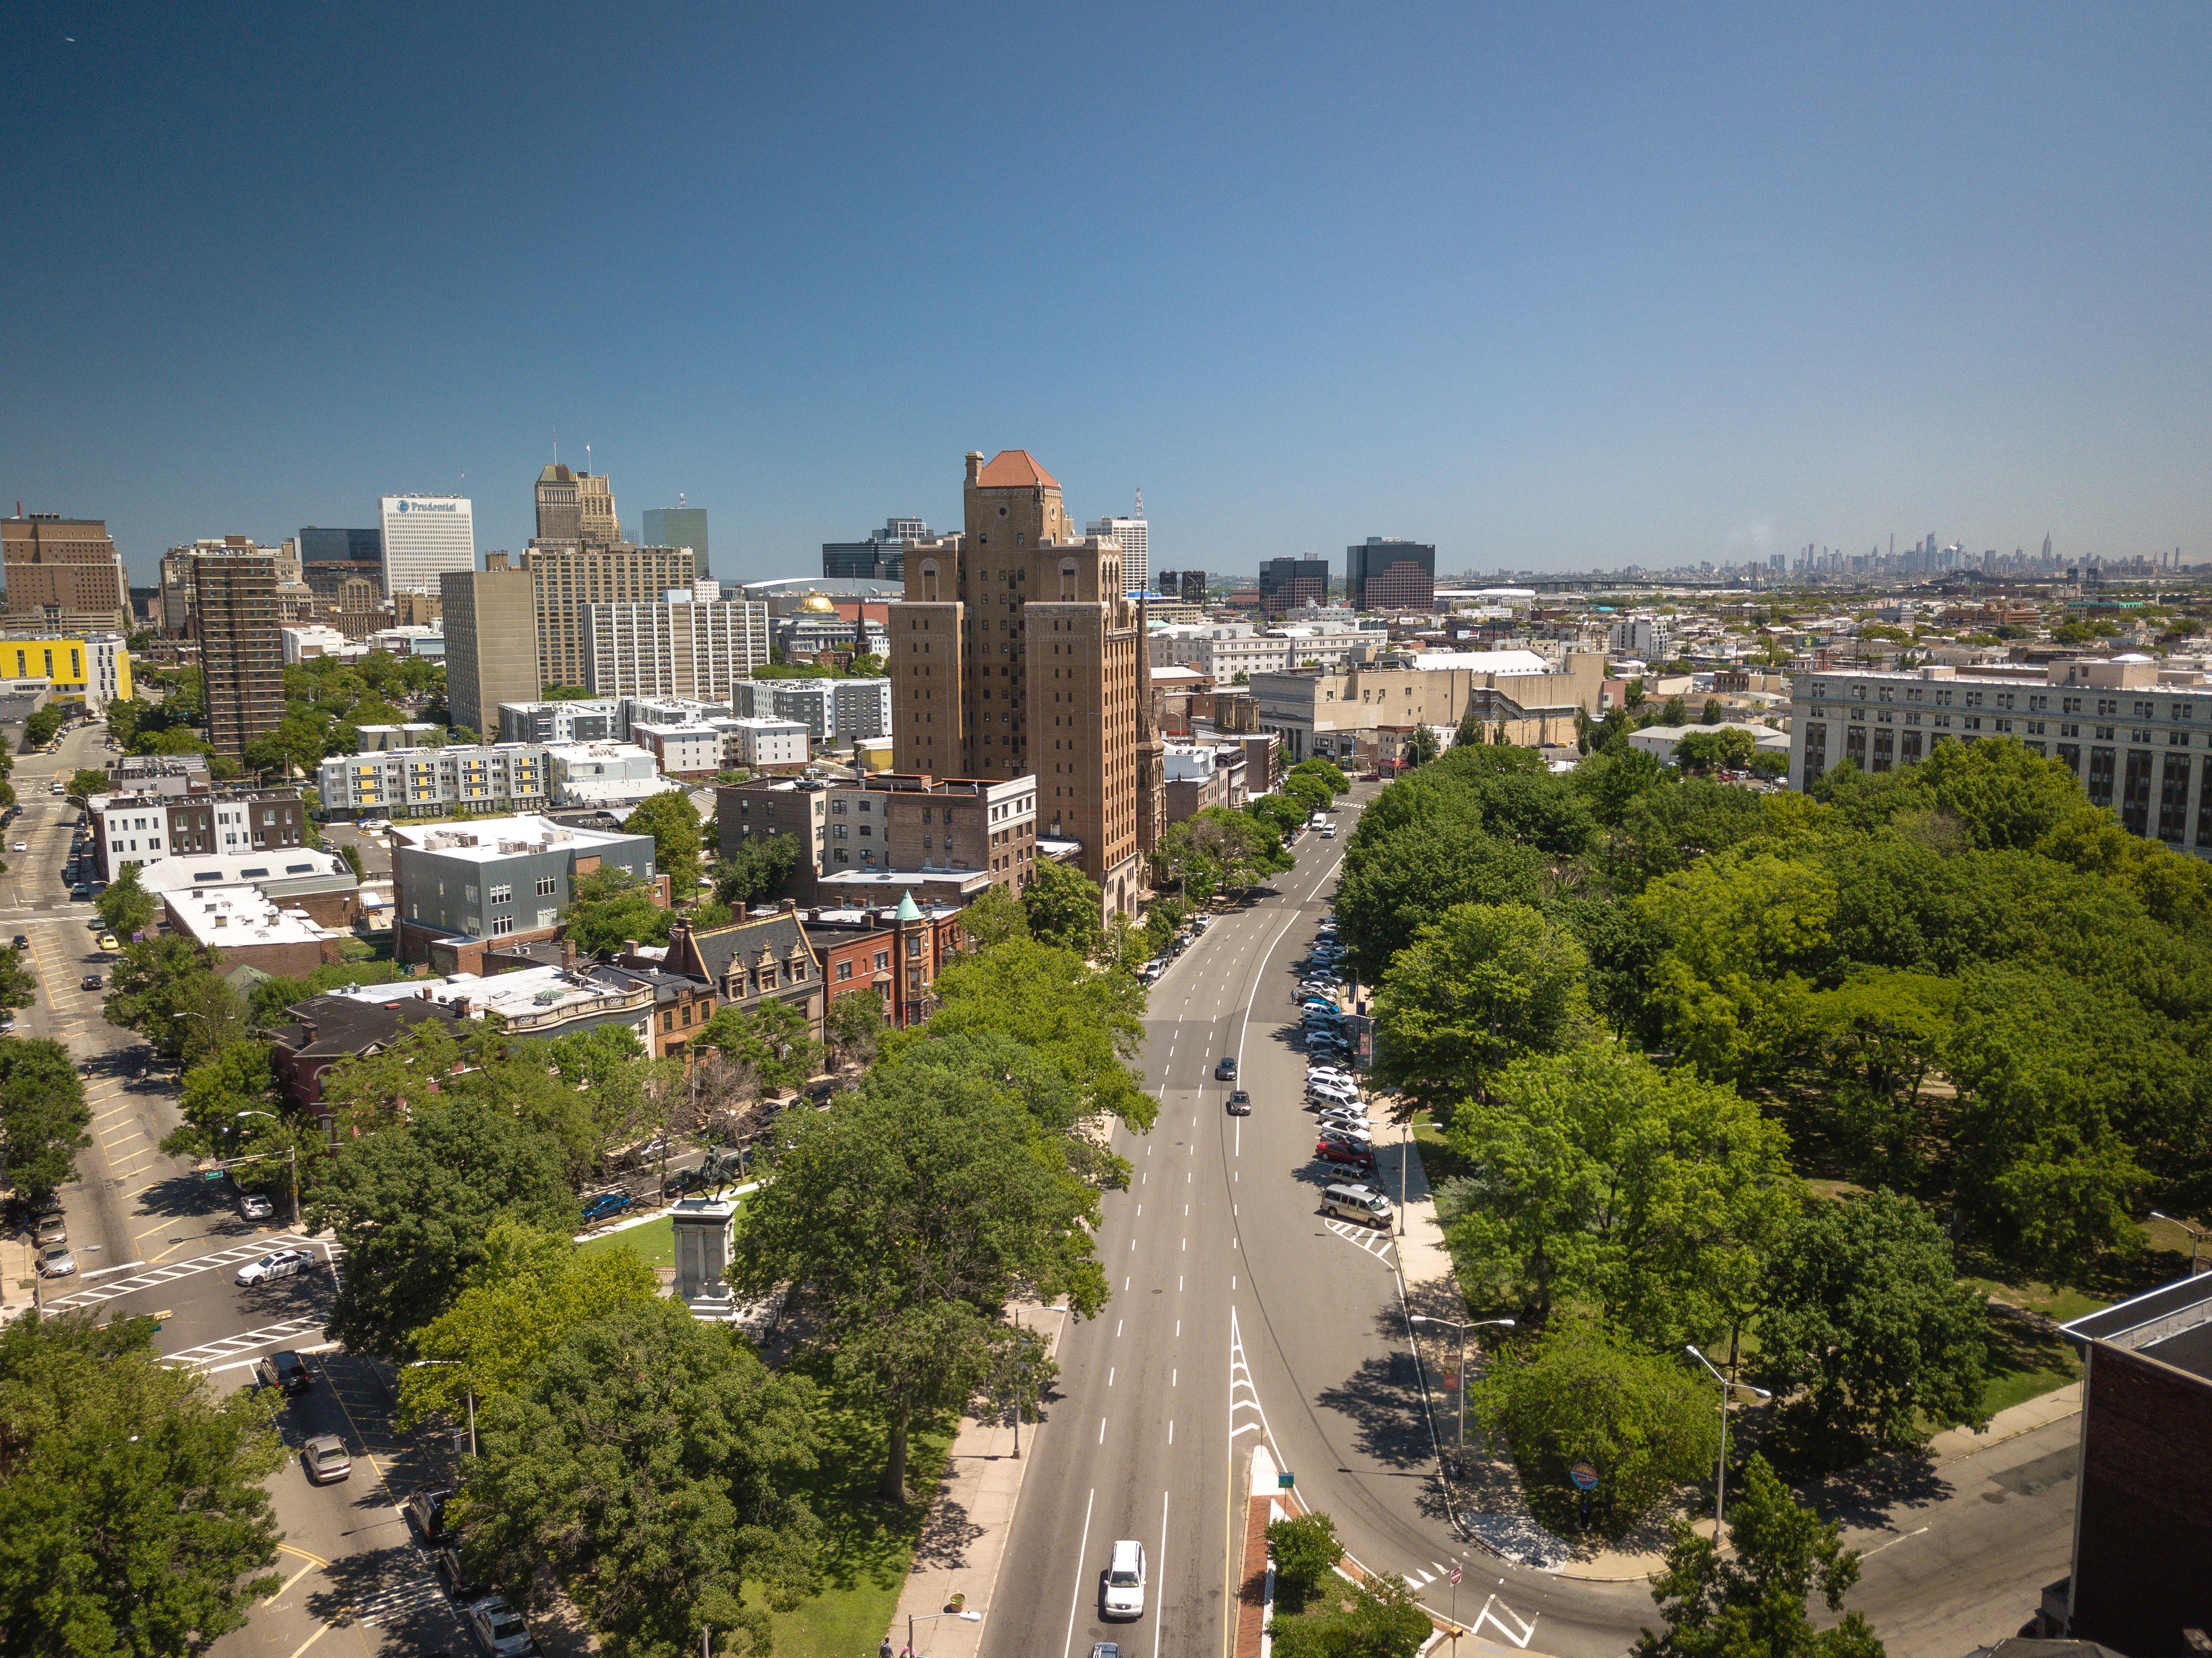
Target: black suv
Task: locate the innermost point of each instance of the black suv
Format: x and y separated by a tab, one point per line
426	1509
286	1370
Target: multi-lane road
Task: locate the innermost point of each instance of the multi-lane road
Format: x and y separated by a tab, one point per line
1241	1315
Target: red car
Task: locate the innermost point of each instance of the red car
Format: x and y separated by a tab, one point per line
1338	1151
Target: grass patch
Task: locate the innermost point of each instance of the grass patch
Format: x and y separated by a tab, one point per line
2059	1302
867	1544
2022	1362
654	1244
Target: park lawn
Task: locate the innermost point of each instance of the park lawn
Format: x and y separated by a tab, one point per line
2022	1362
868	1544
2061	1303
655	1243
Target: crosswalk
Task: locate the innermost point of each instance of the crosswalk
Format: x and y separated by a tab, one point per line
236	1256
1375	1243
396	1600
237	1346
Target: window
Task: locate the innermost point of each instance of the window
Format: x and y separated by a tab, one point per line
547	885
502	895
844	970
501	924
883	961
469	893
547	917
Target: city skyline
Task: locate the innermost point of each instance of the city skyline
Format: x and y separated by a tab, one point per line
1599	291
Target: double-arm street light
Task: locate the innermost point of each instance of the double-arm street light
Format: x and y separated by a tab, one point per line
1720	1478
2195	1236
292	1156
1453	1324
931	1617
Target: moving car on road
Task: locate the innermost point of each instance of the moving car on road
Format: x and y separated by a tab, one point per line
109	943
1240	1103
327	1459
1226	1071
284	1263
1124	1592
90	981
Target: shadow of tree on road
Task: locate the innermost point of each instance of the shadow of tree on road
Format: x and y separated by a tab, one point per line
1383	1401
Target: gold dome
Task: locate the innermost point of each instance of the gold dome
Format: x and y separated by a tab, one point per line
817	605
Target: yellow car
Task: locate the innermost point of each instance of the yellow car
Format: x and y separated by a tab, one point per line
107	942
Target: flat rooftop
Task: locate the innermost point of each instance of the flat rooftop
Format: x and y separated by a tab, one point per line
482	839
2172	1324
234	917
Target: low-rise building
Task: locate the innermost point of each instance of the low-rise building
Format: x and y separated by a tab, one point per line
1532	701
765	956
144	827
681	751
500	878
595	720
323	1031
538	1002
252	930
963	833
611	776
321	884
1219	650
834	711
406	782
1659	741
770	745
305	641
891	954
1200	775
2141	748
91	668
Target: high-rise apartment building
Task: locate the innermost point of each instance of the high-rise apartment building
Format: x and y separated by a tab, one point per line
566	576
576	507
242	649
677	526
881	557
688	643
1289	584
422	538
490	619
1129	533
1384	574
1018	651
64	572
178	564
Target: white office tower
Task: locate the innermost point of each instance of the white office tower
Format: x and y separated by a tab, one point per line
1136	568
424	537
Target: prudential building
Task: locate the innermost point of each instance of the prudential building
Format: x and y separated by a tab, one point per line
424	537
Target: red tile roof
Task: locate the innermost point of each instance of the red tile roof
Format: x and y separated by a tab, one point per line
1014	469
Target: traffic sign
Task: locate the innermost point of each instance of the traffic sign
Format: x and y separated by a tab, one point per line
1285	1479
1584	1476
1455	1576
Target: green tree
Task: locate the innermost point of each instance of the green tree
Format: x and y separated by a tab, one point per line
1086	1026
1062	904
155	984
1867	1324
772	1039
43	1115
1752	1600
611	905
412	1202
1728	748
673	822
519	1303
565	694
1305	1550
1400	876
1653	1193
1279	812
87	782
757	871
651	1472
238	1078
855	1026
126	907
18	987
1580	1392
1675	713
1421	746
39	729
993	917
133	1521
1323	771
1378	1617
910	1216
1714	713
1477	989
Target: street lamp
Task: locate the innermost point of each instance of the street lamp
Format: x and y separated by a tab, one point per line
931	1617
2194	1235
292	1156
454	1363
1720	1478
1476	1324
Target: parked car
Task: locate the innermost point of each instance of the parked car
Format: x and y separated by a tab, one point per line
498	1629
1240	1103
286	1372
22	942
327	1459
1342	1151
447	1558
606	1206
254	1206
53	1228
284	1263
22	846
426	1512
55	1261
1123	1595
1226	1071
1357	1203
90	981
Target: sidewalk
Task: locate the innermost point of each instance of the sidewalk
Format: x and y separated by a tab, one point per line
970	1516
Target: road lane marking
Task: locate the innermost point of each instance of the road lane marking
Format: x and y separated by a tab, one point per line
313	1565
1160	1622
1082	1550
294	1548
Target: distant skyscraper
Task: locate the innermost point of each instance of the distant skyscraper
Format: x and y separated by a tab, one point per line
678	526
567	576
241	651
1287	584
1194	586
1387	575
329	558
423	536
576	507
881	557
69	566
491	644
1130	533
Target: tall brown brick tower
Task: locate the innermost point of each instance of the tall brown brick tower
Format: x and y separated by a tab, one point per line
1016	653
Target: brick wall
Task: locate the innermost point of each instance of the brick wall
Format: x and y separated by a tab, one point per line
2143	1566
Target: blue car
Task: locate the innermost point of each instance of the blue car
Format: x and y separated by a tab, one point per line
606	1205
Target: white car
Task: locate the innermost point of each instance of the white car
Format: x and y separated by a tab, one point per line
1124	1592
254	1206
498	1629
22	846
285	1263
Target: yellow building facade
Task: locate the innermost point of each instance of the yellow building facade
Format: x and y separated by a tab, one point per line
95	670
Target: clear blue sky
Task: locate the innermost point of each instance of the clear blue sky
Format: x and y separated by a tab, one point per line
1545	285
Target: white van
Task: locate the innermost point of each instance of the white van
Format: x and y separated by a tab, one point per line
1356	1203
1317	820
1124	1581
